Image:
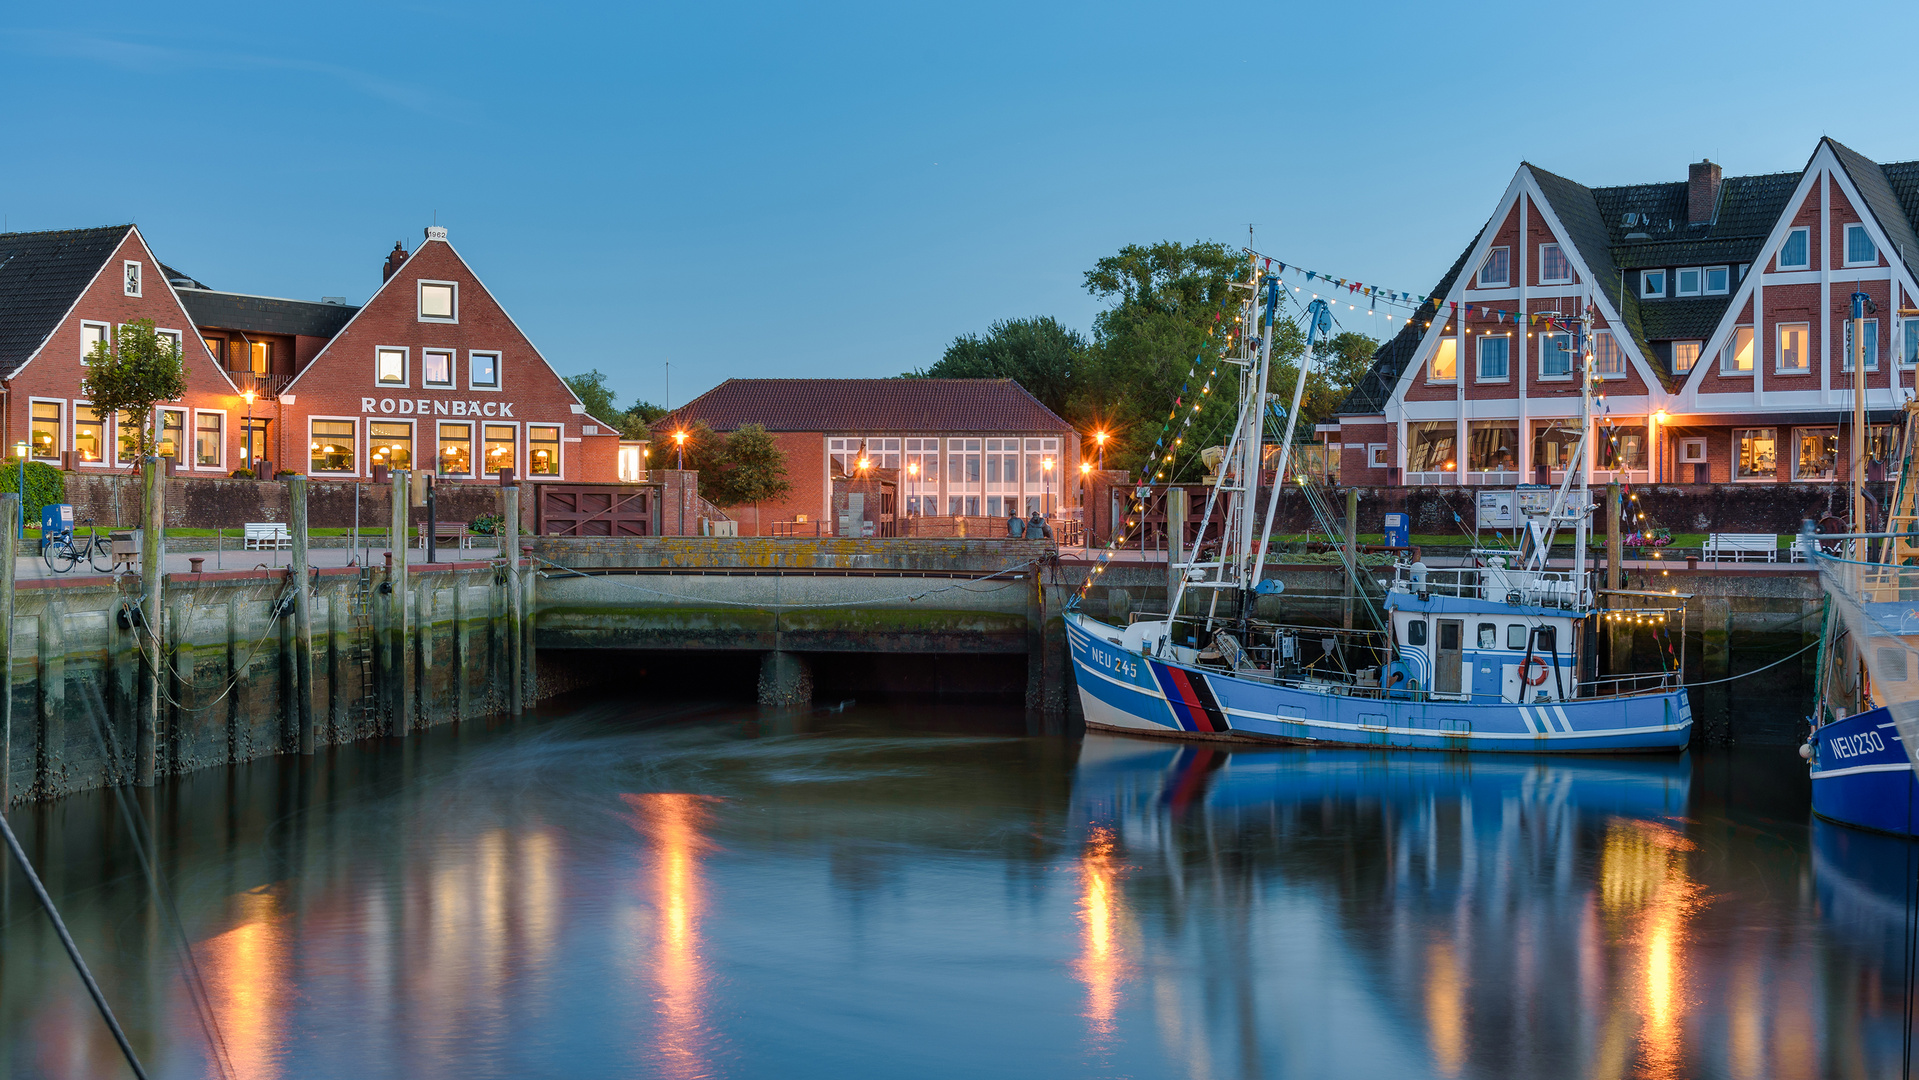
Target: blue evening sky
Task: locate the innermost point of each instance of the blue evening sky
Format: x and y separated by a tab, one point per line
755	189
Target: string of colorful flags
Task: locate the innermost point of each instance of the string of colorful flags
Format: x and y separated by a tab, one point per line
1379	294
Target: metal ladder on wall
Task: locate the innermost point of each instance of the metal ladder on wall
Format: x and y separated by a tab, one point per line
365	712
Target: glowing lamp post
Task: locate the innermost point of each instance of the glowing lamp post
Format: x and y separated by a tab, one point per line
679	444
913	473
1099	440
1046	470
248	395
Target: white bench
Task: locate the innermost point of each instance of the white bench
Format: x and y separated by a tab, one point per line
1736	546
267	535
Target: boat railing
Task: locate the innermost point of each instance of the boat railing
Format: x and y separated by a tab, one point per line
1648	682
1499	584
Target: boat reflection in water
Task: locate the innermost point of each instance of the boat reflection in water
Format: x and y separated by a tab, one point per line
1865	885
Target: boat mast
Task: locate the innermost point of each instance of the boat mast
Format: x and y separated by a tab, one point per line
1253	416
1858	350
1319	320
1582	510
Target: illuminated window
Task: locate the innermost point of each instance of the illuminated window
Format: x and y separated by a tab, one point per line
127	425
439	301
173	431
260	357
1818	457
1736	357
501	441
1685	355
1430	445
1758	457
89	433
209	438
1444	366
331	445
1792	339
542	450
390	367
436	368
390	444
456	449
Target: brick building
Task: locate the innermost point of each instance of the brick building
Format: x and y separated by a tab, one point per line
1721	332
951	447
430	371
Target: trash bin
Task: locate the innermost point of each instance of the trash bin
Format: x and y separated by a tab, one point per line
55	519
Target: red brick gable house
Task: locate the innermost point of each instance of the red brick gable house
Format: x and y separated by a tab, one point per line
61	291
1721	332
432	372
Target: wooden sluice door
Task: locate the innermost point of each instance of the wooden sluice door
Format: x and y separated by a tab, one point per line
596	510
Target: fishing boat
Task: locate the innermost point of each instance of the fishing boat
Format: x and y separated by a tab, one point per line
1497	655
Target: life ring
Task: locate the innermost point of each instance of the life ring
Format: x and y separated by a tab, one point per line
1526	671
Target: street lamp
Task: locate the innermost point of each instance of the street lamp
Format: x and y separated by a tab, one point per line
913	472
1046	468
248	395
1099	438
679	442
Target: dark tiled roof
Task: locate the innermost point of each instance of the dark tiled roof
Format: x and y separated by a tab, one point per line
1886	206
866	406
1389	363
265	314
41	275
1669	320
180	280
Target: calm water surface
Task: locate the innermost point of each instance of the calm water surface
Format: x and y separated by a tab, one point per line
910	890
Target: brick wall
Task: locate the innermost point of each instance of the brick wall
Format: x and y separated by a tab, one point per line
204	503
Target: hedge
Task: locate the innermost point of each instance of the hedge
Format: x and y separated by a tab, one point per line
45	484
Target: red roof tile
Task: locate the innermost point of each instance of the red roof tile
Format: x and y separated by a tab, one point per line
872	406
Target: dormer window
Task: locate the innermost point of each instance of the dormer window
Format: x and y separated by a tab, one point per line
1718	278
1496	271
1554	267
1688	281
1652	284
439	301
132	282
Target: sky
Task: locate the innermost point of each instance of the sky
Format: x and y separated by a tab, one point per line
758	189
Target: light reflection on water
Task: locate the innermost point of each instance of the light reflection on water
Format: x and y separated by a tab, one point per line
933	893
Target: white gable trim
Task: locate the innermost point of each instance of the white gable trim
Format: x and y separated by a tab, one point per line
75	303
341	332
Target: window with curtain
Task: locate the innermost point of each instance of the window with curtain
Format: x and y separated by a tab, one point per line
1495	353
542	450
1555	355
456	449
1795	253
1608	357
331	446
501	442
390	443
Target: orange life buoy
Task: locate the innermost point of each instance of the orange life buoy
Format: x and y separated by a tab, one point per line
1527	674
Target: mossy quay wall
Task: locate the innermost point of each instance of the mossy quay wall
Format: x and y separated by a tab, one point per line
229	691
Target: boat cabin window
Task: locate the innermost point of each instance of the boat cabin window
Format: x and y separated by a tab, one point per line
1515	636
1488	635
1416	632
1545	639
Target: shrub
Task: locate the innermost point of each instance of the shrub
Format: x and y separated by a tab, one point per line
244	474
285	474
485	525
45	484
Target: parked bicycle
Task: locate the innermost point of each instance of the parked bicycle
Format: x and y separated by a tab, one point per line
62	550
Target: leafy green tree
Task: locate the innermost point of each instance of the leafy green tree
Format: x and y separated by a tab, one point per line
1339	362
751	469
594	394
637	420
702	447
1038	353
131	372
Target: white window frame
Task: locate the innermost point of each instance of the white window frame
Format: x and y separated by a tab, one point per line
1845	240
1376	456
160	426
1845	346
1908	342
406	367
1733	464
1779	260
1698	281
1617	345
1503	282
499	376
131	276
1697	356
73	428
452	369
1692	451
1646	291
1705	281
1560	248
419	298
1728	354
1779	348
519	446
221	465
61	438
439	441
1479	359
359	448
106	335
412	439
559	441
1572	360
1445	342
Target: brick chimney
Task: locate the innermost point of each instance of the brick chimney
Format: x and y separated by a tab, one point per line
393	260
1702	192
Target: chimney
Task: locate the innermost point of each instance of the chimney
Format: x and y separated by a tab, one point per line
393	260
1702	192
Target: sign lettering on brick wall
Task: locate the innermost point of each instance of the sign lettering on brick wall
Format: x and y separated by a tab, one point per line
435	407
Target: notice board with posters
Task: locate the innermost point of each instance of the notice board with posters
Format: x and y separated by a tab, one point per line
1497	509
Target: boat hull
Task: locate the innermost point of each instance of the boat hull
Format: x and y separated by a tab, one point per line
1125	691
1861	775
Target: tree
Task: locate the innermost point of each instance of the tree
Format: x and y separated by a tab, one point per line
594	393
131	372
1038	353
638	418
701	450
751	469
1339	362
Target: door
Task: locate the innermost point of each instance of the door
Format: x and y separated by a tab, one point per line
1446	658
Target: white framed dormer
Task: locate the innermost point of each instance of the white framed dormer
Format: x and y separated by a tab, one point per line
438	301
390	367
1554	267
130	271
1717	280
1688	281
1795	251
1496	272
1859	248
1652	284
483	370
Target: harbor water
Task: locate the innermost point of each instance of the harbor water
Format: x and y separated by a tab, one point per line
695	889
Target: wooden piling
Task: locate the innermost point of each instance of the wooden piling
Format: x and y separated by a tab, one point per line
510	551
400	694
9	553
336	602
152	559
53	698
302	611
462	659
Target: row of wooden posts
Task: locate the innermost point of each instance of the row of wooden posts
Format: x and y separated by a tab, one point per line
151	617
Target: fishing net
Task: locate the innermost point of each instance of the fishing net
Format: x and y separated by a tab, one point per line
1874	658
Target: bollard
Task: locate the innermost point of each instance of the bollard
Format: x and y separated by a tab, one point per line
193	565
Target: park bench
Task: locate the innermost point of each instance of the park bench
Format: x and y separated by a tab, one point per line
455	533
1736	546
267	535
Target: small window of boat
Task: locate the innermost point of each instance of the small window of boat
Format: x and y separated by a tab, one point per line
1546	639
1892	664
1488	635
1515	636
1416	632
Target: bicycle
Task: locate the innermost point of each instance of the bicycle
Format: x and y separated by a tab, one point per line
62	552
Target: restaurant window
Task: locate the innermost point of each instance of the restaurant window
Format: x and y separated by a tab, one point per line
209	442
1609	359
1555	355
1444	366
44	434
1002	468
1818	457
127	426
390	367
483	370
883	453
456	449
1492	445
331	446
173	433
1685	355
89	433
390	444
436	368
963	464
1430	446
1883	447
439	301
922	469
844	454
1622	447
1758	454
1736	357
1042	471
501	440
1554	443
1792	339
542	450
